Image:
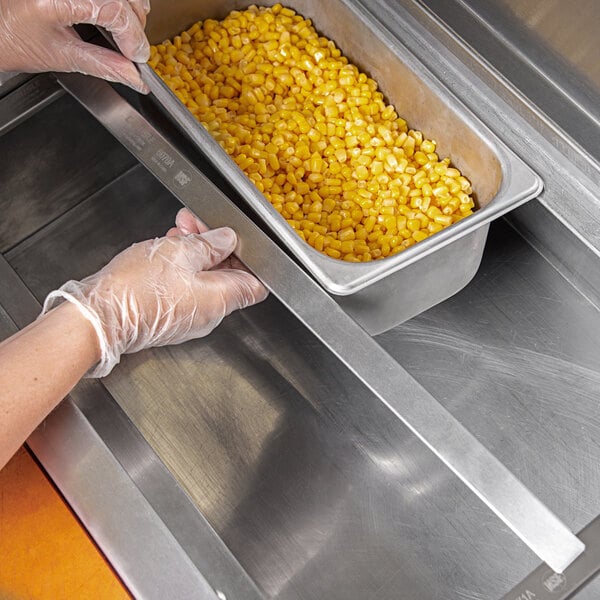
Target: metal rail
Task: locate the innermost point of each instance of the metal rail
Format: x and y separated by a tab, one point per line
23	102
481	471
544	584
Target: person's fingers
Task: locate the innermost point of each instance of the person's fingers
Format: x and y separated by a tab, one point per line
237	289
141	9
101	62
235	263
211	248
188	223
173	232
117	16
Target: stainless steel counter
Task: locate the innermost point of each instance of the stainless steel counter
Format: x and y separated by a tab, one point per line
257	439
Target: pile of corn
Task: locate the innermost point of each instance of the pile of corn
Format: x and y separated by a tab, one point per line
313	133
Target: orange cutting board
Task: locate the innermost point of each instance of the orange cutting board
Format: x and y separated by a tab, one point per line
45	554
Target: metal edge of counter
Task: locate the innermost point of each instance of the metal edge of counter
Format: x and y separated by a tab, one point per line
25	96
571	175
10	81
150	531
571	257
530	63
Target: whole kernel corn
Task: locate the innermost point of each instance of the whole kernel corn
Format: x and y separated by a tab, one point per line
313	133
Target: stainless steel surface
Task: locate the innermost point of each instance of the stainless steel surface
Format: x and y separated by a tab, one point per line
408	283
550	539
558	140
544	584
322	502
569	31
11	81
571	257
37	170
26	100
6	77
547	49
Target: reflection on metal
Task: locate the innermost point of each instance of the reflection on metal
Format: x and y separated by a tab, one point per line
570	255
11	81
434	426
559	40
569	30
34	164
543	79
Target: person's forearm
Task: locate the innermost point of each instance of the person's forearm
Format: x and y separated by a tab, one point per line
38	367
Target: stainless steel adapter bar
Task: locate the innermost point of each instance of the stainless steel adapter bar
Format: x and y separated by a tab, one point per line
480	470
544	584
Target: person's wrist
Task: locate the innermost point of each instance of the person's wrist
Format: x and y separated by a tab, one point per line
79	331
84	322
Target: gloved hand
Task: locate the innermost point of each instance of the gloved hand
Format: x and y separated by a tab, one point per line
37	35
159	292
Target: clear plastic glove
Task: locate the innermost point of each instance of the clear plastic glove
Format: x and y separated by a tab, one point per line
187	222
163	291
37	35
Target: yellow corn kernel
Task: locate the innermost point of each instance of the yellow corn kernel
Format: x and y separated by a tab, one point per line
390	224
466	208
334	243
318	242
423	219
443	219
347	247
428	146
413	224
420	235
401	221
347	233
452	206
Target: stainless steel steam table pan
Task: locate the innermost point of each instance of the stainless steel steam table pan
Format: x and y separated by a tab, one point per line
383	293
